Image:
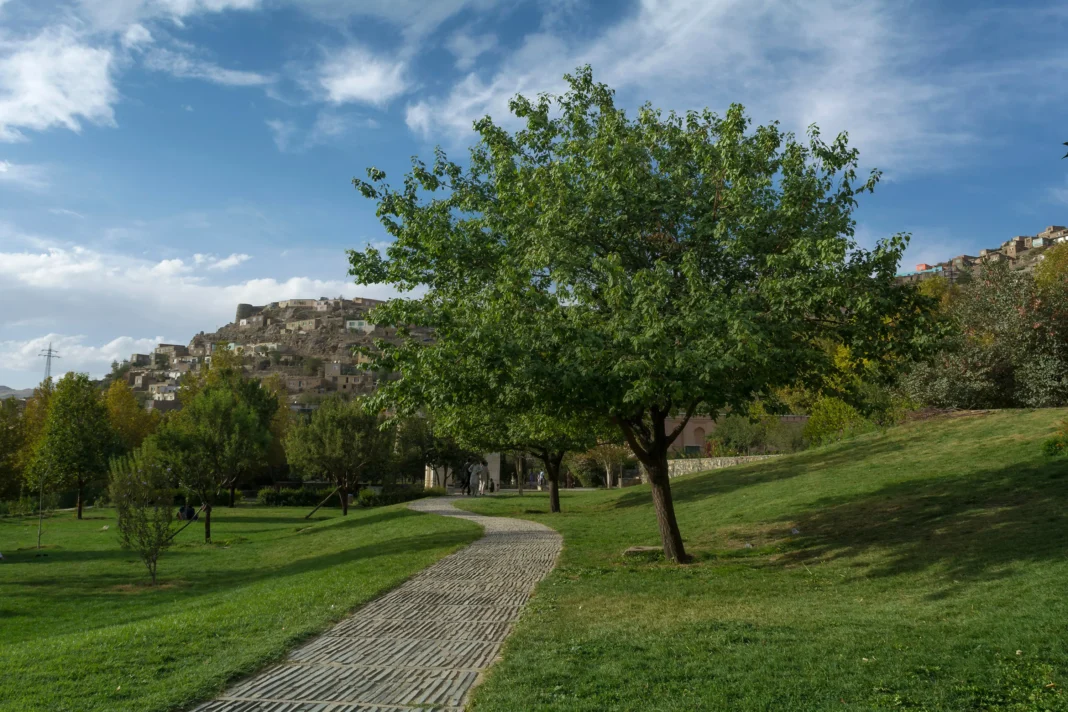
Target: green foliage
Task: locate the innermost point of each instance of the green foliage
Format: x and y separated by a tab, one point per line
344	441
221	433
295	497
130	422
312	366
1057	444
833	419
11	442
1006	347
597	265
77	439
144	504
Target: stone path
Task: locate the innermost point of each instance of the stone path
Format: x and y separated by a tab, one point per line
422	646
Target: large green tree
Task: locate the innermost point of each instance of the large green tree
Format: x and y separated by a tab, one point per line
11	435
77	440
631	268
212	442
343	441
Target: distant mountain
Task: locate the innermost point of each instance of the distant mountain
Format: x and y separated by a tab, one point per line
6	392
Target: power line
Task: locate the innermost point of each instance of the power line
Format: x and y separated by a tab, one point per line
48	354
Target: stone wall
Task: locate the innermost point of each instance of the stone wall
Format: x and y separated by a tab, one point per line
700	464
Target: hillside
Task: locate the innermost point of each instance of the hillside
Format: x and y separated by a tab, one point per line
927	571
6	392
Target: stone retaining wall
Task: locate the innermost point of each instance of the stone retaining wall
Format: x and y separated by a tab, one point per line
700	464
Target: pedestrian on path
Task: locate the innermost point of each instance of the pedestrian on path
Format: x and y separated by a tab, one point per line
483	478
472	480
541	480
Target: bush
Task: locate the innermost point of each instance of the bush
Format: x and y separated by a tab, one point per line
832	419
294	497
1057	445
367	497
787	437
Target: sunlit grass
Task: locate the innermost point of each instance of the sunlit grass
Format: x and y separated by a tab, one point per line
81	630
928	572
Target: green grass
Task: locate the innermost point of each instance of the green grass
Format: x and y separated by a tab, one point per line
80	629
930	572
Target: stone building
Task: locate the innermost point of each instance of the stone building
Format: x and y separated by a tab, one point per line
304	325
297	304
140	360
304	384
172	350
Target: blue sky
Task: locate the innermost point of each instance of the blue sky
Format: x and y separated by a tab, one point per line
163	160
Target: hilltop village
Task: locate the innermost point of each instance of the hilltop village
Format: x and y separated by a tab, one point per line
308	343
1022	252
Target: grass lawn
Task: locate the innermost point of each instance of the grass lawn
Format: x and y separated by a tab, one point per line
80	629
929	571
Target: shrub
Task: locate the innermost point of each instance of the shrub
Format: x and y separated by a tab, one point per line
787	437
143	497
1057	445
294	497
832	419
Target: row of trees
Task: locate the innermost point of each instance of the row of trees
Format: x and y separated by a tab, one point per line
593	271
66	434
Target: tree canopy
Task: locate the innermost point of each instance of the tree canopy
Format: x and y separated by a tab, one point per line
592	264
343	441
77	439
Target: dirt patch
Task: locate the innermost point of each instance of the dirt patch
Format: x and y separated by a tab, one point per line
144	587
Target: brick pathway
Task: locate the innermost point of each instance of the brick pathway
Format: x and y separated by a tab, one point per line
423	645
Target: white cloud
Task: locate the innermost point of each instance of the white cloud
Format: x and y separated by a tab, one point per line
230	262
22	175
76	290
66	212
467	48
328	127
75	353
354	75
1058	194
282	132
186	67
871	67
54	79
136	36
116	15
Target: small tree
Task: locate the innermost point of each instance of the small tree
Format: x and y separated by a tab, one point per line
343	441
143	497
611	457
211	442
77	439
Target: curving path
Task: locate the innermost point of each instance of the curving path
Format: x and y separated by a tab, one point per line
422	646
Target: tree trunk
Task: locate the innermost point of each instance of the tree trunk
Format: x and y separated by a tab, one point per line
81	487
40	512
207	523
520	472
670	536
552	465
233	492
344	492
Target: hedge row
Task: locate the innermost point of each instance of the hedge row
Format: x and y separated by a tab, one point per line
287	497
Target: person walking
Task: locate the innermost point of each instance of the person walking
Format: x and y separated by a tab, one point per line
541	479
483	478
473	478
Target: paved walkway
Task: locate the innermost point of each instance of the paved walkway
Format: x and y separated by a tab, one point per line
422	646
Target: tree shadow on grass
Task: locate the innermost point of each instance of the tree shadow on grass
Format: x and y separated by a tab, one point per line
975	527
195	583
700	486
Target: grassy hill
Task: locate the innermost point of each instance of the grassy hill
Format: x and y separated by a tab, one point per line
924	568
81	631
